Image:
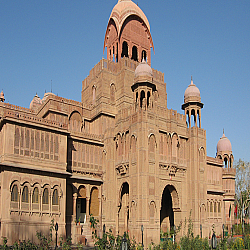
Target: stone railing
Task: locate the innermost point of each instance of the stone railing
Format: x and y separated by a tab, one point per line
16	108
228	171
32	118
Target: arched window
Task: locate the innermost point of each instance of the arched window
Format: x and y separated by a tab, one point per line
112	93
144	55
134	54
55	197
187	119
225	162
25	195
46	196
151	147
219	208
35	195
193	121
142	98
14	194
152	210
93	93
124	49
148	98
174	146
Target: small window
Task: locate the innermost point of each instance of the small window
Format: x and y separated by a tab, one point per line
55	197
134	54
46	196
35	196
144	55
219	209
112	93
14	194
93	93
124	49
25	195
211	207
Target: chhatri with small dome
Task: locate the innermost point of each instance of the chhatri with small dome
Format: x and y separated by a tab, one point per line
120	155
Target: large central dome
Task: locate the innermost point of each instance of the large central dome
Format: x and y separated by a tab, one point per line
123	9
128	33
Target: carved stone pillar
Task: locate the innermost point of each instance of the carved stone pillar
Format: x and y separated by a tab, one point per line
74	205
87	209
100	210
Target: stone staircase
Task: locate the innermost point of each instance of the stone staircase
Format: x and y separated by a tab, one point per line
87	233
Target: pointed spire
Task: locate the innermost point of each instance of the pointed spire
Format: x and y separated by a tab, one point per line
192	80
2	97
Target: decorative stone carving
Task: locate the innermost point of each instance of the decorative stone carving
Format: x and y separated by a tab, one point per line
172	169
122	169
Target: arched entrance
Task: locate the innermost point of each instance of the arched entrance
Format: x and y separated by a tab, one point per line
123	212
168	203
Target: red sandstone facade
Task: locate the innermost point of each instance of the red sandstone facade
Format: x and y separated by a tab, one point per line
120	154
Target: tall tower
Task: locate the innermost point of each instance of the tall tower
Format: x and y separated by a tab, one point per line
196	174
224	152
192	105
143	86
128	33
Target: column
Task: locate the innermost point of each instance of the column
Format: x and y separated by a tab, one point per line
199	118
189	118
87	208
195	113
100	210
74	206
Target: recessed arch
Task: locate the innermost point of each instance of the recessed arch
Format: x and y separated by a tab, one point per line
167	204
123	212
75	121
112	92
94	202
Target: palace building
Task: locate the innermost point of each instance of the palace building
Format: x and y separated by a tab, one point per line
120	155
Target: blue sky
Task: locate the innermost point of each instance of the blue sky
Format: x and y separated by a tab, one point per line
61	40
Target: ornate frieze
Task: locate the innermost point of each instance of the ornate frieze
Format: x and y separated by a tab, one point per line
172	170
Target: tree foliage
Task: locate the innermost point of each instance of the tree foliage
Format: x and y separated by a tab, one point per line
242	186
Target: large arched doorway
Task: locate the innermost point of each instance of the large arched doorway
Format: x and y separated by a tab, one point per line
123	214
167	212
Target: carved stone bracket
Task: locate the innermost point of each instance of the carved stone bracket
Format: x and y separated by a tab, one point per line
122	169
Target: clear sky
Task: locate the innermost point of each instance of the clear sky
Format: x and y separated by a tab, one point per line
61	40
